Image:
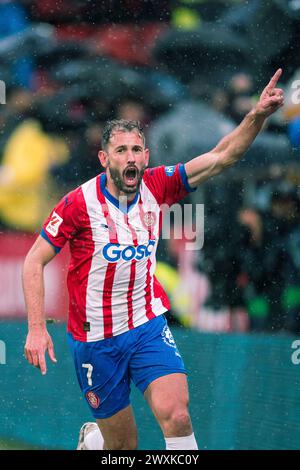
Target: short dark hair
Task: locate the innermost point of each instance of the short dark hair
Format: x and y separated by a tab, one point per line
120	125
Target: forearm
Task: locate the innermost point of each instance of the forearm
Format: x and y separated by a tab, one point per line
233	146
38	339
34	293
228	151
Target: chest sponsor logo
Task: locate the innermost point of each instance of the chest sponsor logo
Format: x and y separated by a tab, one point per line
113	252
54	224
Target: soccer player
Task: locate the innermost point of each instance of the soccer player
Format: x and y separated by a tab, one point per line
116	329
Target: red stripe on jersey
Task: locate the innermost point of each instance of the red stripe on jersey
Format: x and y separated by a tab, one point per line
106	299
132	276
159	292
148	297
77	311
111	267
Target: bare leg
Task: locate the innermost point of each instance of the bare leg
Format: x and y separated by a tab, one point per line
168	399
119	431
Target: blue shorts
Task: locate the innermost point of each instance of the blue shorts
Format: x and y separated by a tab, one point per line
105	368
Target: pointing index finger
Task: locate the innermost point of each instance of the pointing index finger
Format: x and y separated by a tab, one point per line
42	363
273	82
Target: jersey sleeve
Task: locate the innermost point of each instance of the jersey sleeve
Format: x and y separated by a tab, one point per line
168	184
61	225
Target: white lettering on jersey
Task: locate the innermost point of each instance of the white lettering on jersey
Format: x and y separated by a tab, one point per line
54	224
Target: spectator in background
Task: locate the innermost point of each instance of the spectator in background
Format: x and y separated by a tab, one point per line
294	132
93	136
83	163
186	286
18	107
26	187
13	20
189	14
240	96
282	226
132	110
271	262
224	309
291	294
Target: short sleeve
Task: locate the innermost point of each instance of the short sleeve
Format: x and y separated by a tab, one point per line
61	224
168	184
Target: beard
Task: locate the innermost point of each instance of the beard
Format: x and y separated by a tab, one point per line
119	178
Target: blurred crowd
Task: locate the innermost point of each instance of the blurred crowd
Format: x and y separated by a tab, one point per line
189	70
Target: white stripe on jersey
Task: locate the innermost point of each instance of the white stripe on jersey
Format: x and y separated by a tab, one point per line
96	278
122	274
97	272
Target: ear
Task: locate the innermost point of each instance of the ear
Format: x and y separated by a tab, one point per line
103	157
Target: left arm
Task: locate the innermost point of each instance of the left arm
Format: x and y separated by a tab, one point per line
232	147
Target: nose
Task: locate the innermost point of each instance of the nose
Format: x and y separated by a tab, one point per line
130	157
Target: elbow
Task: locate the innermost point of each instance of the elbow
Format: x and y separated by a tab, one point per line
27	266
31	264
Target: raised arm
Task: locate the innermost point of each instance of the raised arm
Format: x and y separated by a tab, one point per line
232	147
38	339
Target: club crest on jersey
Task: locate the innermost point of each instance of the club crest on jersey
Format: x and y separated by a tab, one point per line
93	399
149	219
169	170
168	337
54	224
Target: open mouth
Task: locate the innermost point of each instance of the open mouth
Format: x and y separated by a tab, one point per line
130	176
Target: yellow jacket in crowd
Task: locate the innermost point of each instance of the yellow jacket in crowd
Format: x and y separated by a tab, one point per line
25	179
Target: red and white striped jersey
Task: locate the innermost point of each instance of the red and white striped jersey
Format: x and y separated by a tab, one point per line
111	281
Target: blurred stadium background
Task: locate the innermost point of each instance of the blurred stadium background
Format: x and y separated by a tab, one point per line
188	70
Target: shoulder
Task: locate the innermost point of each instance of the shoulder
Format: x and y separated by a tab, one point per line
162	172
72	205
162	176
77	197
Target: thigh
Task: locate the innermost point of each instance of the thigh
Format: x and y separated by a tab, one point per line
119	431
102	373
156	356
168	399
167	392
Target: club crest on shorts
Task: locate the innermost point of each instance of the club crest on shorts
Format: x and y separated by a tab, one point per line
149	219
168	337
92	399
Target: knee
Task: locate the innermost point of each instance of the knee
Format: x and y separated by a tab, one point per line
176	422
180	422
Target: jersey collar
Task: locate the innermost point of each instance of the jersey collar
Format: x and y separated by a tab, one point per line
113	199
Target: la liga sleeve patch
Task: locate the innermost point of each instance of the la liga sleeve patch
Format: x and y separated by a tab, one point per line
54	224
